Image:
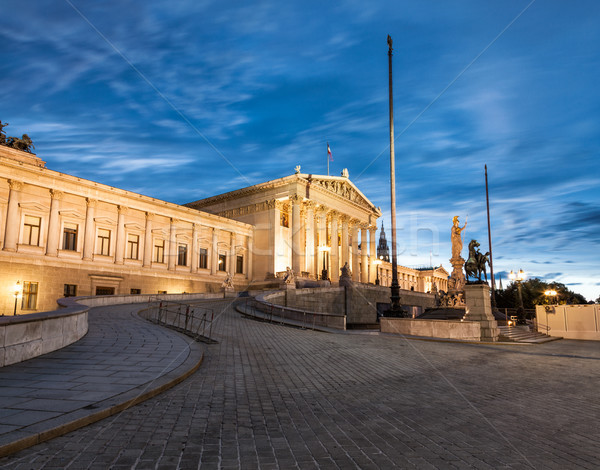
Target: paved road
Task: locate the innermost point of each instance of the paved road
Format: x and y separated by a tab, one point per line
269	397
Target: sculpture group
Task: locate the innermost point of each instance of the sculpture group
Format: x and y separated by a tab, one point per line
24	143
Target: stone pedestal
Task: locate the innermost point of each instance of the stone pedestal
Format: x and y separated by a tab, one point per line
229	292
457	281
479	309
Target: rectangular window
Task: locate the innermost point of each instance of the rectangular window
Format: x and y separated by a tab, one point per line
31	230
70	237
133	246
105	290
30	292
203	264
239	265
103	242
182	255
159	251
222	262
135	291
70	290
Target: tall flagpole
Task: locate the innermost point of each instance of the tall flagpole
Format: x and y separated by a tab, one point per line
395	309
328	158
487	201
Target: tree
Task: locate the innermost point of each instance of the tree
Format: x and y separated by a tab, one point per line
533	291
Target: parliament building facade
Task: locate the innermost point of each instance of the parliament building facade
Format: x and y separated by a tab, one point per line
61	235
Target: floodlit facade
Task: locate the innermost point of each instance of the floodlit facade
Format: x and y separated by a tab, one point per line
66	236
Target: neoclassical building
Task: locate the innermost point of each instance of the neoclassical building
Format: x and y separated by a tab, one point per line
311	223
61	235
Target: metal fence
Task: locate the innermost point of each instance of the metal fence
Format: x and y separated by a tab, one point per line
193	320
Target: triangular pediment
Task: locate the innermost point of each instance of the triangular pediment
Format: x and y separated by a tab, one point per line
343	188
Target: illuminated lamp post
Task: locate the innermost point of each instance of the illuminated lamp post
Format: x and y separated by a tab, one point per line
377	263
324	249
551	293
519	277
17	292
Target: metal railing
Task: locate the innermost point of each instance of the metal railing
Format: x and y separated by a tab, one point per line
193	320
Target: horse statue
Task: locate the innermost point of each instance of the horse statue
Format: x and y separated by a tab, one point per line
476	262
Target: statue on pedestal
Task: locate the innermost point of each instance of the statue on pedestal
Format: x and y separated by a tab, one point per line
290	277
457	280
228	282
475	265
456	237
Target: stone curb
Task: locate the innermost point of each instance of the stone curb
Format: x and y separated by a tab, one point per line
68	422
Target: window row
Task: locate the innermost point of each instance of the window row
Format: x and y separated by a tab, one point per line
31	236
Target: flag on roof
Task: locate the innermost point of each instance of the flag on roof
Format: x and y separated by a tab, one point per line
329	155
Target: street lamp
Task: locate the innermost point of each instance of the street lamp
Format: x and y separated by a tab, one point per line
377	262
519	277
549	293
17	292
324	249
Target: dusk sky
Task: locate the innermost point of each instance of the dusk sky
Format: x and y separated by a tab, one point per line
182	100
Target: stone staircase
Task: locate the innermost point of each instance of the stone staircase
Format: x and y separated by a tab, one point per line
522	334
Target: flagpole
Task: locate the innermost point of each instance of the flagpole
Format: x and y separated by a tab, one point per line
327	154
487	202
395	309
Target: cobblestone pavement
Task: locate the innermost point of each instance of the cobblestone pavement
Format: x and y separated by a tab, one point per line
269	397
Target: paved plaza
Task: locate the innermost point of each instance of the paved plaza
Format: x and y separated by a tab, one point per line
274	397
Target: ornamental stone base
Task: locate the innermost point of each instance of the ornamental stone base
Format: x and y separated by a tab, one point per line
479	309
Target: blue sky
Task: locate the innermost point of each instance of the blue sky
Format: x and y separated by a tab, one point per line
183	100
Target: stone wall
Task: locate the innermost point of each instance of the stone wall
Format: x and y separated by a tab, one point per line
358	301
448	329
569	321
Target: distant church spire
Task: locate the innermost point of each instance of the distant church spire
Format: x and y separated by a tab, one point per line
383	252
499	282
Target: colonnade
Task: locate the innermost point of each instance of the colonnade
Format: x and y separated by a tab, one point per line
323	238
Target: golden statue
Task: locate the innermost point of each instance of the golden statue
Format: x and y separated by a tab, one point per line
456	237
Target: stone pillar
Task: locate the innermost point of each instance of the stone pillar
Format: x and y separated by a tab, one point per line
88	238
53	224
296	235
232	254
479	309
335	248
345	244
372	254
172	253
148	240
355	260
276	222
310	239
321	240
214	256
249	273
364	250
120	242
194	255
11	230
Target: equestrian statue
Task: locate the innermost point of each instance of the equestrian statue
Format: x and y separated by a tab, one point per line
475	265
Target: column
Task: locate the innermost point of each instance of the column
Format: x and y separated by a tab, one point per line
364	249
310	239
355	260
232	254
11	230
320	239
296	227
194	259
214	256
275	223
249	274
335	248
372	254
345	244
120	242
172	254
88	240
53	224
148	240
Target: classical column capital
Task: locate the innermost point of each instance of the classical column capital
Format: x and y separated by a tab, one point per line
122	209
174	221
309	205
271	204
56	194
354	223
91	202
333	214
149	216
295	198
15	185
372	228
281	205
321	210
344	219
